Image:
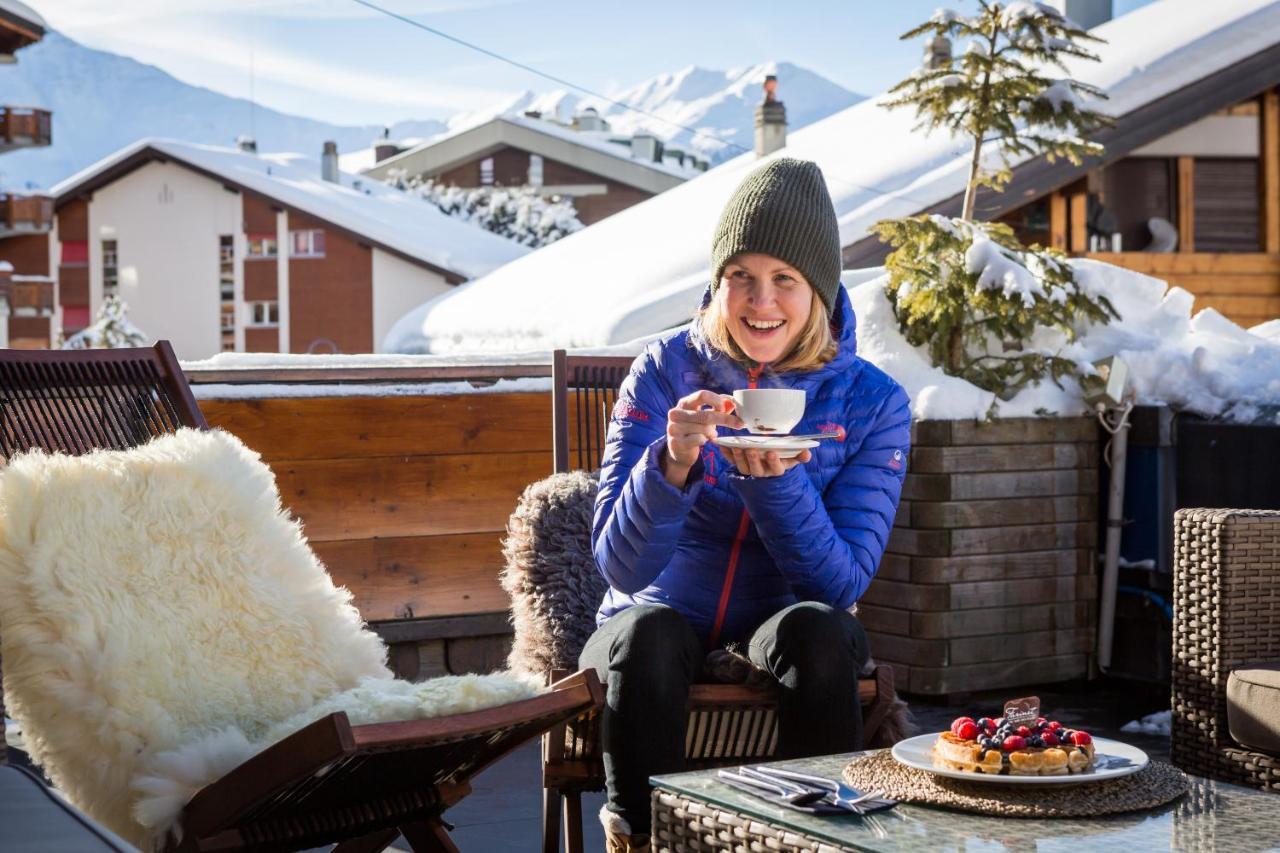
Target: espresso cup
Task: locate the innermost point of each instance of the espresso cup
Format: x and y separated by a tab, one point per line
769	411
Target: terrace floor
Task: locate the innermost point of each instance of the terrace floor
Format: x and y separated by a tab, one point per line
504	812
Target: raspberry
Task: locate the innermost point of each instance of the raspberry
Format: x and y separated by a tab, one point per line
1014	742
967	731
1024	731
1081	738
957	722
1049	738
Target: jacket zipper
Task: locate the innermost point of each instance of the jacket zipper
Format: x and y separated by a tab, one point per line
753	376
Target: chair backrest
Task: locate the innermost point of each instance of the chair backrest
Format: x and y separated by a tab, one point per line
75	401
584	389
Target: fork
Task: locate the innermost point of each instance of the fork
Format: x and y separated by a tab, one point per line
840	793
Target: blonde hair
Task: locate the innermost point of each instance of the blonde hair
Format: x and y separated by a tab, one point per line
814	347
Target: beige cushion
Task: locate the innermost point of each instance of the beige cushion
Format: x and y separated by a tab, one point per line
1253	706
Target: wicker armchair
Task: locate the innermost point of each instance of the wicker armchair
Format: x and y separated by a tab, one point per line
1226	616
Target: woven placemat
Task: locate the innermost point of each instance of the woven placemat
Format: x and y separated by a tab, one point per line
1154	785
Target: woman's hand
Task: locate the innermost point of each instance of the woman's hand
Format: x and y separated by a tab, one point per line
691	423
763	463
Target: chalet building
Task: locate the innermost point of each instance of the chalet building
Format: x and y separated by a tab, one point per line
220	249
601	172
1188	189
26	289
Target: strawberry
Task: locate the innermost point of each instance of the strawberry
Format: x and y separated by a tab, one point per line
1024	731
1049	738
1081	738
1014	742
1055	725
967	731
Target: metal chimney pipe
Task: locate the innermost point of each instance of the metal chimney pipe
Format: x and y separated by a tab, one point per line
329	162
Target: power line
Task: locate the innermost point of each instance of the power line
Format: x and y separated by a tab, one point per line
587	91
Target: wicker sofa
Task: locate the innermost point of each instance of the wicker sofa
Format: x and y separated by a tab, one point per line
1226	645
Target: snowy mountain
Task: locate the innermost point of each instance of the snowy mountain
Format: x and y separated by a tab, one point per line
102	102
719	105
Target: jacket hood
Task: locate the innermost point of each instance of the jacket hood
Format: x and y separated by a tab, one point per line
727	373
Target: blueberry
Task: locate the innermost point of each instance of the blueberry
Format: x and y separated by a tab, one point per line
984	722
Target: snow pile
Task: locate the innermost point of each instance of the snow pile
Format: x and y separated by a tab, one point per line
1204	364
876	167
1160	723
521	214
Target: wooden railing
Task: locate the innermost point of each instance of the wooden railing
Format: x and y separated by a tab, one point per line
25	126
1244	287
25	213
37	294
404	497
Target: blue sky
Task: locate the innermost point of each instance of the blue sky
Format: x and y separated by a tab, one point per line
337	61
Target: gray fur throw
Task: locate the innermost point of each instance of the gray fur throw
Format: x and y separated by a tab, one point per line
555	590
551	574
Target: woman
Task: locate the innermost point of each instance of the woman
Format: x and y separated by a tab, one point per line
703	545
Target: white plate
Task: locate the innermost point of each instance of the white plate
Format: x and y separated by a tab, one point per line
782	445
1112	759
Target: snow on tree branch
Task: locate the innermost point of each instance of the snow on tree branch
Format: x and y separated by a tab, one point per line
517	213
111	329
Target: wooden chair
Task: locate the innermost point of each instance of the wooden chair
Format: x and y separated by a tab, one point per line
728	724
331	781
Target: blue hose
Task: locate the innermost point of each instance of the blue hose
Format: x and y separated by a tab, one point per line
1153	597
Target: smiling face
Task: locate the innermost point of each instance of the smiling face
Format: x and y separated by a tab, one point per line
765	303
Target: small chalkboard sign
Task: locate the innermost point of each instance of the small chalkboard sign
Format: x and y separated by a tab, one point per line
1022	712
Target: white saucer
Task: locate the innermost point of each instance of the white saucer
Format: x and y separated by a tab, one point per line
1112	759
785	446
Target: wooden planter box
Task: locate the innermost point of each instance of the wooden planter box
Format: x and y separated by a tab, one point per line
989	578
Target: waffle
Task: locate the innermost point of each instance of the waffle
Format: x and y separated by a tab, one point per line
967	756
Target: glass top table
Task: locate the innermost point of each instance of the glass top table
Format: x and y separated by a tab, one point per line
1212	816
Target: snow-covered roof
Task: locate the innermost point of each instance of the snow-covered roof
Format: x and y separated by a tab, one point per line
642	269
16	9
386	217
544	137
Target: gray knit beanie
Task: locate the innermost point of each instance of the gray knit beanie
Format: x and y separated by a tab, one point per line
783	209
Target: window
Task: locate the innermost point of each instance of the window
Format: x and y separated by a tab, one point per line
486	172
1227	215
306	244
535	170
227	291
261	246
110	269
264	314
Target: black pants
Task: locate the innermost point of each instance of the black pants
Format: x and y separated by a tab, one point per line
648	656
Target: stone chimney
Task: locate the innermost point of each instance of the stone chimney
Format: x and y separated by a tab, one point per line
1087	14
771	120
329	162
247	144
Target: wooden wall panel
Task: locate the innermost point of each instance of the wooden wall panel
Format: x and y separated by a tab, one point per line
341	427
408	496
405	499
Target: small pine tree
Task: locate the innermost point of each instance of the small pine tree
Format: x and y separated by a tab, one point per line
969	290
517	213
110	330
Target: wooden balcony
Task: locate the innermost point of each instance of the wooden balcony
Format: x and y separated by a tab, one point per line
25	127
29	295
25	214
1244	287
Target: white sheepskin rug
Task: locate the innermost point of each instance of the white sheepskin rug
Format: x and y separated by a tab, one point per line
162	619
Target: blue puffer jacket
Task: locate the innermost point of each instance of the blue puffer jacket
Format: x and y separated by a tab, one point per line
729	551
